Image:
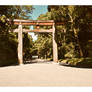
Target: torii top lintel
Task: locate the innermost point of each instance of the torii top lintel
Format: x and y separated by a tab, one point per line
36	22
33	22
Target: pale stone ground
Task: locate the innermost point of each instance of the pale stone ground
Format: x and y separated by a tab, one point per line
45	74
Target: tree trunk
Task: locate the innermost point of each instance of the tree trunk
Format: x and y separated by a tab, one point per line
76	35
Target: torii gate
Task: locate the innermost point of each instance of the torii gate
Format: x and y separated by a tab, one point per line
37	23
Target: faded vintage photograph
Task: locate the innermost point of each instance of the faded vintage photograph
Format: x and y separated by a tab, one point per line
45	45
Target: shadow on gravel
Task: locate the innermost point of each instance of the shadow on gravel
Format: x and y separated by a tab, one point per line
37	61
8	65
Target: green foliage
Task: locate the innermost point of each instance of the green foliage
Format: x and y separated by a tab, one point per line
78	62
13	12
27	47
8	41
87	63
8	49
43	45
76	28
75	35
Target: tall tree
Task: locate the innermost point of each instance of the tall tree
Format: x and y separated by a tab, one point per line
77	23
8	41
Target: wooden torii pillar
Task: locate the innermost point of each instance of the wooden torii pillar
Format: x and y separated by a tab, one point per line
20	45
55	49
37	23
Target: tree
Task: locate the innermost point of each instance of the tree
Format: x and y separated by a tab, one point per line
8	41
77	25
44	45
13	12
27	47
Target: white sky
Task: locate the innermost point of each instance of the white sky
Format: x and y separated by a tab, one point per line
32	34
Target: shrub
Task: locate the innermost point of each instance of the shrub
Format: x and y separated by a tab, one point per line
78	62
8	50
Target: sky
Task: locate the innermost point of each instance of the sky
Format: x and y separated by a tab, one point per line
38	9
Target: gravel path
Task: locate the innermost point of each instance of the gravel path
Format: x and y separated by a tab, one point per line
45	74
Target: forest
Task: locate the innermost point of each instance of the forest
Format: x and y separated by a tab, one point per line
73	37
